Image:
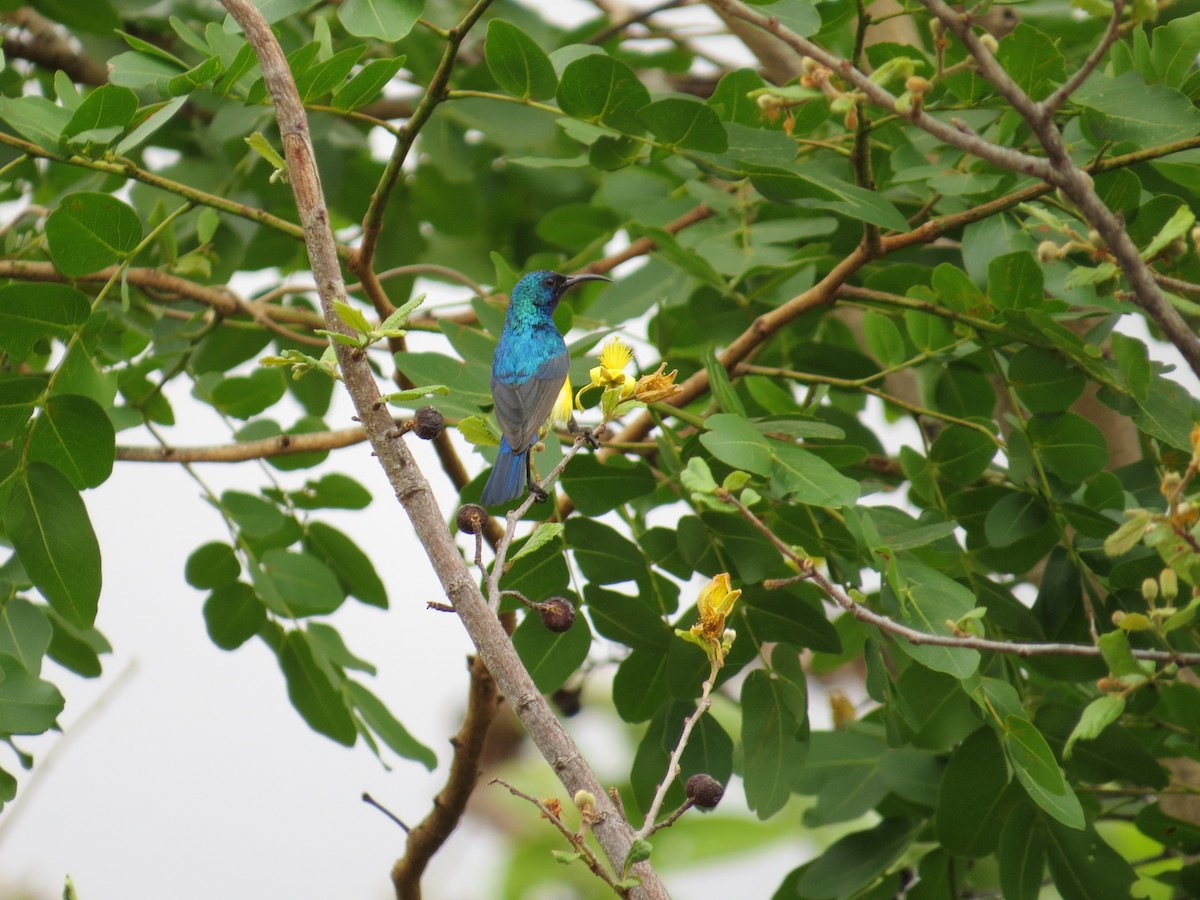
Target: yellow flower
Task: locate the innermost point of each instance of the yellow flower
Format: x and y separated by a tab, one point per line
658	385
560	416
615	356
715	603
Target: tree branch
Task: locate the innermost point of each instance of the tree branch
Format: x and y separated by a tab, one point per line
372	225
428	836
1047	107
43	43
280	445
809	572
410	486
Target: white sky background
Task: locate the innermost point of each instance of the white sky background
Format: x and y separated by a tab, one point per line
197	779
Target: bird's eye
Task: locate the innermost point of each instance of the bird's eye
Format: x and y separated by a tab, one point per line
548	281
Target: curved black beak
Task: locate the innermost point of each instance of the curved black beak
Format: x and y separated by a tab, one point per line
571	280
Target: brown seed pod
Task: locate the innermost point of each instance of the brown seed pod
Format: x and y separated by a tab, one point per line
471	518
427	423
557	614
704	791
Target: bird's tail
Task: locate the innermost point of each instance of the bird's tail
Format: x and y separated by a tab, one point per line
507	481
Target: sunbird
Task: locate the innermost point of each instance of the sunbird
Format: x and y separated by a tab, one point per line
528	373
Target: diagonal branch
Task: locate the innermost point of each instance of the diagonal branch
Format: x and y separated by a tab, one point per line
408	482
435	93
1080	75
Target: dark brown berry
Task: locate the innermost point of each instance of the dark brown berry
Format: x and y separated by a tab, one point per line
704	791
567	701
557	614
427	423
471	518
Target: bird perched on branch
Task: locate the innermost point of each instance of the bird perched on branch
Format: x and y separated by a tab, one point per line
528	373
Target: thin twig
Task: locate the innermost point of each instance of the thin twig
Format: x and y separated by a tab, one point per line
809	571
573	838
703	703
494	594
371	801
1080	75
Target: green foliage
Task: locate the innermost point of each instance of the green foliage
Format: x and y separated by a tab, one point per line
963	421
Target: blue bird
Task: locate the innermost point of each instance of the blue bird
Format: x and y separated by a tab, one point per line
528	372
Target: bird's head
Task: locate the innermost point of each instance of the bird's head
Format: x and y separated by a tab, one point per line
544	289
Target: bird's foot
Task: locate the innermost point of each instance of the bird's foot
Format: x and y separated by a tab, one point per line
589	438
539	495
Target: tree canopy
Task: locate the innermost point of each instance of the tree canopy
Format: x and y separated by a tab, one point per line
899	284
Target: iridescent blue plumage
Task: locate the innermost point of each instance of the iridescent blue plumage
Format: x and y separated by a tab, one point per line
528	372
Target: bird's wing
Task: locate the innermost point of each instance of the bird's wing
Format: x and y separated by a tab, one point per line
523	406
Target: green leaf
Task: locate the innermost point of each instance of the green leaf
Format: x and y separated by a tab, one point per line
737	443
388	728
25	633
353	568
319	80
1174	48
1038	772
640	685
366	84
31	312
1044	381
28	705
604	556
853	862
542	535
106	107
685	123
1015	281
970	809
955	289
551	657
598	88
517	63
627	620
212	565
883	339
314	696
233	614
1072	447
808	479
935	600
387	20
1097	716
297	584
161	114
1022	854
774	720
1176	227
1033	61
1016	516
18	397
1084	866
961	455
245	396
597	486
332	491
721	387
74	435
88	231
1125	108
36	119
194	78
255	516
782	616
799	16
52	534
